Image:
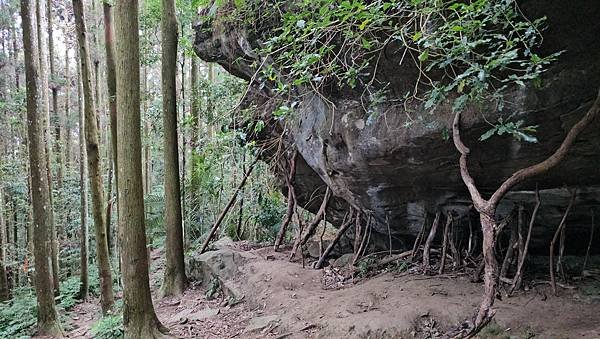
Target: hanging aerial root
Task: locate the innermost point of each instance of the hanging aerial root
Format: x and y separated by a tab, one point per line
291	201
419	239
516	283
587	252
427	247
337	238
559	230
310	229
445	243
363	243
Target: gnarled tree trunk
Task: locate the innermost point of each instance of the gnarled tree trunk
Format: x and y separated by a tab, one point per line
487	208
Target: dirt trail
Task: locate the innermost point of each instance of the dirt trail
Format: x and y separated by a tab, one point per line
284	300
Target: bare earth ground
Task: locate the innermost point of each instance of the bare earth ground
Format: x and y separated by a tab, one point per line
284	300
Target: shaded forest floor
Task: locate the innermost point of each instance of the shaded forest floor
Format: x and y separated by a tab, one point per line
284	300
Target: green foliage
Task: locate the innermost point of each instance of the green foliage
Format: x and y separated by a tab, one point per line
109	327
463	51
69	292
18	315
365	266
516	129
270	214
480	46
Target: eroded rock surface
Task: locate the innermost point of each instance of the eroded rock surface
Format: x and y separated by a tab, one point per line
394	163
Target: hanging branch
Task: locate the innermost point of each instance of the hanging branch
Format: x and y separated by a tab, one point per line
215	227
556	234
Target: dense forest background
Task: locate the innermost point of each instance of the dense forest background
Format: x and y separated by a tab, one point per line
214	154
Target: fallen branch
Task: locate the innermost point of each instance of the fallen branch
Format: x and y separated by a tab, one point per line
393	258
215	227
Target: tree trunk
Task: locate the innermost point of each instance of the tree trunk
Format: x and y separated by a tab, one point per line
490	278
67	129
54	88
139	318
42	30
83	232
4	289
111	82
174	279
487	208
47	319
93	161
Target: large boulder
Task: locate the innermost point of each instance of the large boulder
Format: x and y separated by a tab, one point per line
396	165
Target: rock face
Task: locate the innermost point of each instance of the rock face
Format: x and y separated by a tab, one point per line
396	165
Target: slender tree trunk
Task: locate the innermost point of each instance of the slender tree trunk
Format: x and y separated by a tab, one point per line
111	83
4	289
147	170
15	57
83	232
54	88
93	160
139	318
67	129
42	30
47	319
174	279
